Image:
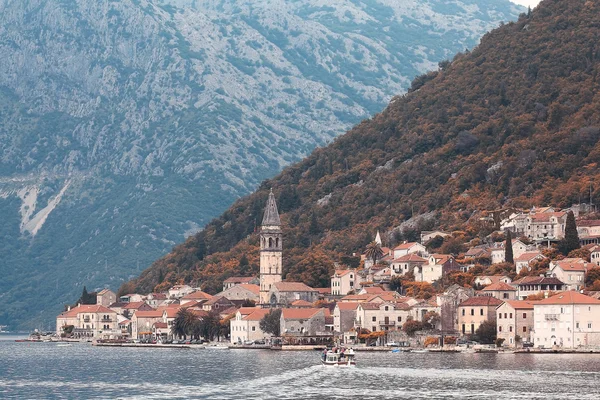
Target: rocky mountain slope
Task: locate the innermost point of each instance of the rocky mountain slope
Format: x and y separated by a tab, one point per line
513	123
127	125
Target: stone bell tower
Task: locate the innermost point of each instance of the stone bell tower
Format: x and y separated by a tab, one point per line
271	249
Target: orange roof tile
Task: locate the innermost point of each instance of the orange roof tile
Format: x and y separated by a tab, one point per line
299	313
347	306
293	287
198	295
528	256
499	286
239	279
148	314
301	303
571	297
481	301
257	314
410	258
405	246
251	287
521	304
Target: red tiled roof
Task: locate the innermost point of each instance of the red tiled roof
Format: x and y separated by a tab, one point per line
521	304
239	279
134	305
527	257
500	286
299	313
148	314
86	308
342	272
161	325
571	297
572	264
301	303
329	320
370	306
411	257
545	217
481	301
373	290
251	287
198	295
257	314
538	280
347	306
589	223
293	287
248	310
323	290
405	246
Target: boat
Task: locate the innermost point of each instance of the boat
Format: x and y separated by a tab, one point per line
338	359
217	347
63	345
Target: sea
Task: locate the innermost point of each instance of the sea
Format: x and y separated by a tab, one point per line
82	371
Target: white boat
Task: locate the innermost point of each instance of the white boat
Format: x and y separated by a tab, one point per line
217	347
338	359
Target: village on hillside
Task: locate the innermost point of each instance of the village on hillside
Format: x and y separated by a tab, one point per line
534	283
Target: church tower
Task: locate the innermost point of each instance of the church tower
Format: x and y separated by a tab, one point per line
271	249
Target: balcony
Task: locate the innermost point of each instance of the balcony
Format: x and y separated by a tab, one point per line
86	319
387	323
106	320
551	317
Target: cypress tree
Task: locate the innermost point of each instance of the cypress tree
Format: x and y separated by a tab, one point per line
508	250
571	240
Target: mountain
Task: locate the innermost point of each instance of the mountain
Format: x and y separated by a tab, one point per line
513	123
127	125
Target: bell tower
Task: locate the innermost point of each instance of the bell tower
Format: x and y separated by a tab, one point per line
271	249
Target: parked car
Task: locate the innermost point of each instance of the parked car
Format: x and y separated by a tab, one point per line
249	342
392	344
527	344
259	342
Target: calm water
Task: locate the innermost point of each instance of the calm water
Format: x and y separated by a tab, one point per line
80	371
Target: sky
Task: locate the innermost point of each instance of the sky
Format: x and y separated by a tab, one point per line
531	3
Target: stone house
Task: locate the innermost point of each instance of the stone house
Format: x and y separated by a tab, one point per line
156	300
437	266
526	259
308	322
285	293
501	291
90	321
531	285
485	280
344	315
546	225
246	325
409	248
382	316
142	322
239	280
241	293
217	303
106	297
588	231
474	311
571	271
406	264
515	318
178	291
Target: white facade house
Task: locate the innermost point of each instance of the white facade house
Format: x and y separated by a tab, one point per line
245	326
571	271
567	320
343	281
409	248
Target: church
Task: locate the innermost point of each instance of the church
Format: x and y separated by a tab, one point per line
274	292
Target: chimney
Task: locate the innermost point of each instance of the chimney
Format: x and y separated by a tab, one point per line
68	308
545	295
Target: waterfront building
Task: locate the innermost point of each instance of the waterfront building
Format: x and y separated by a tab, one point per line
143	321
304	325
344	315
271	251
245	326
89	321
474	311
381	316
568	320
515	322
283	294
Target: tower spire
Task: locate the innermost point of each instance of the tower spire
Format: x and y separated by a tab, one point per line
271	216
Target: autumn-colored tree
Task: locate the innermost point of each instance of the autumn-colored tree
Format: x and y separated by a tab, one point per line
431	341
411	327
464	279
419	290
270	323
591	277
580	253
486	333
540	296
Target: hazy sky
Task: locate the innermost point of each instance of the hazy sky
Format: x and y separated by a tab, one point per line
531	3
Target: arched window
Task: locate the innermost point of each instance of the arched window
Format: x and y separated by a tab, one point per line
270	242
277	242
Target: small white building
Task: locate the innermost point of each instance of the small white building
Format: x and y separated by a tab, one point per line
571	271
245	325
515	320
567	320
343	281
409	248
525	260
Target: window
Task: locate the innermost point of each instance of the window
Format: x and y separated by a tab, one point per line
374	329
387	308
472	329
510	328
505	295
577	325
524	315
481	311
253	328
524	329
589	325
374	319
500	328
472	311
499	315
510	315
505	315
463	312
399	319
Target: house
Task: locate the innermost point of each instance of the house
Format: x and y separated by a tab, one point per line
501	291
197	295
178	291
568	320
409	248
368	262
217	303
156	300
143	321
448	303
106	297
239	280
533	285
245	325
130	308
526	260
343	281
474	311
406	264
545	225
477	252
89	321
595	254
303	322
301	304
131	298
437	266
514	321
485	280
498	253
588	231
285	293
571	271
371	290
426	236
381	316
344	315
241	293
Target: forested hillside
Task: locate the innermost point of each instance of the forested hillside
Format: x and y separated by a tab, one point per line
515	122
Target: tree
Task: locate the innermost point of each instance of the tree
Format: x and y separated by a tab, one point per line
271	322
508	250
411	327
486	333
592	276
374	252
571	239
186	323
